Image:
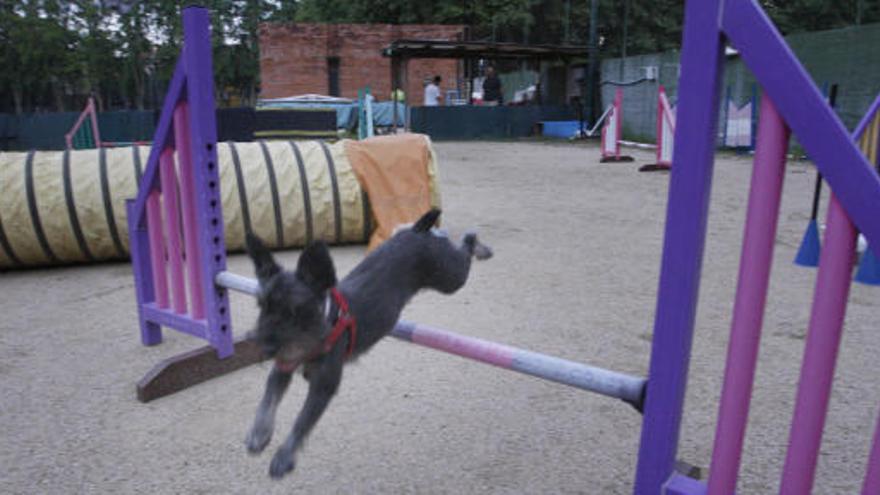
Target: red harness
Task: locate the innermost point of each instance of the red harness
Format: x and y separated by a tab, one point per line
344	321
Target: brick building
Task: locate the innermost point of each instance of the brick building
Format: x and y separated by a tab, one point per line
338	59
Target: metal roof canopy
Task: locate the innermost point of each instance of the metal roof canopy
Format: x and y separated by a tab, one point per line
405	48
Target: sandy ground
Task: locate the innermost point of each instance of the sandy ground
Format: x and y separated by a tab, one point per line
577	255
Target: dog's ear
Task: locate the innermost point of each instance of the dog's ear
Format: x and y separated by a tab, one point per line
315	267
264	263
427	221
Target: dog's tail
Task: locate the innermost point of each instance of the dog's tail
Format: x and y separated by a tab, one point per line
427	221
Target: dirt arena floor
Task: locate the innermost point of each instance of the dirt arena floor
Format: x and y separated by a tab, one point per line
577	248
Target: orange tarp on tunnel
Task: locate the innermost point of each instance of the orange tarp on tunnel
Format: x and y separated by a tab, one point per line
400	177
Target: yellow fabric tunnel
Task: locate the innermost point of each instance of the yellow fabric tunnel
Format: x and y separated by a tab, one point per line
62	207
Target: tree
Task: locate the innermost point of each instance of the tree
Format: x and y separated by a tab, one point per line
123	51
97	63
509	20
40	51
793	16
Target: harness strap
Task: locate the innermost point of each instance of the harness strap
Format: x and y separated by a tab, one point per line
344	322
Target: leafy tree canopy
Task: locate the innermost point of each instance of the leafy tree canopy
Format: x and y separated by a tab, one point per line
54	53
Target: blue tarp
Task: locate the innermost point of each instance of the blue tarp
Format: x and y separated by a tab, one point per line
383	113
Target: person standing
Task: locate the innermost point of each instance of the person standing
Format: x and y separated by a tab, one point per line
491	88
432	92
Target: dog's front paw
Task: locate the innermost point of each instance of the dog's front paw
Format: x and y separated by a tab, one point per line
258	438
282	464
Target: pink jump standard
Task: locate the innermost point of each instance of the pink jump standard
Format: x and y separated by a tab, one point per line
188	194
751	297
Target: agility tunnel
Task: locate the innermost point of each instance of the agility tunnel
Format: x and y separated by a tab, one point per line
62	207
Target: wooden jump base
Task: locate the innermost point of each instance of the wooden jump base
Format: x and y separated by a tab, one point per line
191	368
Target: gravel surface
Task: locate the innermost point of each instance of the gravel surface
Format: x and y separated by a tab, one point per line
577	251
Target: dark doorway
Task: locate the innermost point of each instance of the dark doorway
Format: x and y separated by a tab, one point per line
333	76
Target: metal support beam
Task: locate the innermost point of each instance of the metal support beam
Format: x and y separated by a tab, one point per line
404	82
590	78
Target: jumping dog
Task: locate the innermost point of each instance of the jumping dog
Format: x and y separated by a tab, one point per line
307	318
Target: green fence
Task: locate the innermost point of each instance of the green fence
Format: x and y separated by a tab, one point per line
45	131
35	131
478	122
849	57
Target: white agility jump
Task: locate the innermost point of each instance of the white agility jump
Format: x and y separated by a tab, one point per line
612	132
665	134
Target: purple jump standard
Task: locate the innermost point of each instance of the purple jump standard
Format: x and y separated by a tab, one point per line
708	25
751	295
684	239
190	191
823	341
871	485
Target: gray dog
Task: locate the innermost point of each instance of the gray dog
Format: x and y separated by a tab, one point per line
306	318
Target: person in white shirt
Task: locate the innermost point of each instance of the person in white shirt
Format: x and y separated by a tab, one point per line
432	92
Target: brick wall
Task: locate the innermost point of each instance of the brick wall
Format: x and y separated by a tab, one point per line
293	58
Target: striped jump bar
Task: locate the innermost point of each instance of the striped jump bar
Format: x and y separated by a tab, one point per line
628	388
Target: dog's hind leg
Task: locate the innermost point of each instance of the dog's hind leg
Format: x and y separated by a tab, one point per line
324	376
264	423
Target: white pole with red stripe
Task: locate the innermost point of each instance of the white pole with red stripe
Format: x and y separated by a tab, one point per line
612	132
665	134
